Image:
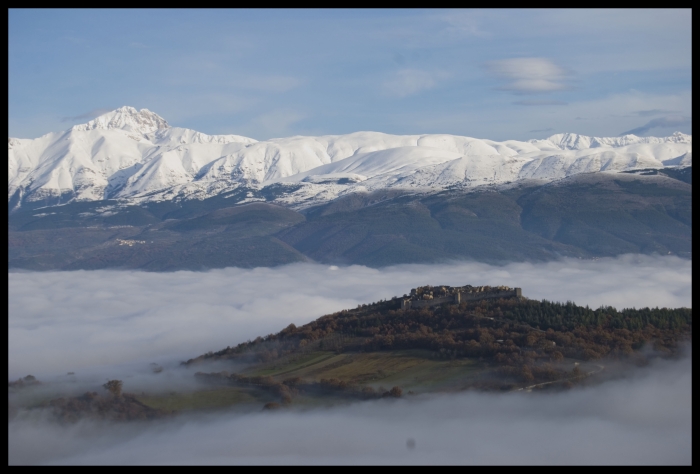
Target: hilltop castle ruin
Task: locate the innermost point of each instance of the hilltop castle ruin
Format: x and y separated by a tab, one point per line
428	296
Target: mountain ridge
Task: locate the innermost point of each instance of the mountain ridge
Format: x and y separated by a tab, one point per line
136	157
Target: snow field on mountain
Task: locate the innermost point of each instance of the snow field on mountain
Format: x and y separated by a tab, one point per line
136	155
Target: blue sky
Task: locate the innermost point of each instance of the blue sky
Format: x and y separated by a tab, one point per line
499	74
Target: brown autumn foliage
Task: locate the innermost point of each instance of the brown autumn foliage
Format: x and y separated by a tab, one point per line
523	338
507	331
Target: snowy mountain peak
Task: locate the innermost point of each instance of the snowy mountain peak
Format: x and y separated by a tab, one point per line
571	141
126	118
134	155
574	141
680	137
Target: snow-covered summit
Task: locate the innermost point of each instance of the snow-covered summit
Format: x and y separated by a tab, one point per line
574	141
136	156
126	118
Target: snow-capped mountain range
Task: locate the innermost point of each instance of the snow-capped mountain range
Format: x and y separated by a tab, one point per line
137	156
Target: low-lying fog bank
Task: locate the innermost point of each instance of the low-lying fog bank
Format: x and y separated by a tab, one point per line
643	419
113	324
66	321
76	321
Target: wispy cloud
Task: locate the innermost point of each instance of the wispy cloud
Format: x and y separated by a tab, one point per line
275	124
661	122
529	75
268	83
87	115
542	102
235	51
462	23
652	112
408	82
542	130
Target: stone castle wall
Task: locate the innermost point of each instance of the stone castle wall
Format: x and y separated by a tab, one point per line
434	302
515	292
456	299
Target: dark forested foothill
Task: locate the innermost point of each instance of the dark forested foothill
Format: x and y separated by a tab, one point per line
390	349
524	340
510	328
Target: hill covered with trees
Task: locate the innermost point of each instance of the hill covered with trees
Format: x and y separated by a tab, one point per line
513	328
509	342
380	350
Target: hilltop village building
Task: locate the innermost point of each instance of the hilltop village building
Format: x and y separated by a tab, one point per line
428	296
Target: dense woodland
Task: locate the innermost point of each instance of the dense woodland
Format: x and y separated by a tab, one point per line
511	332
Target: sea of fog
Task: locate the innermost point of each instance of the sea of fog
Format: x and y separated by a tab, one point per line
112	324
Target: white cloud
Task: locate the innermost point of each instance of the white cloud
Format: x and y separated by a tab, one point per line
529	75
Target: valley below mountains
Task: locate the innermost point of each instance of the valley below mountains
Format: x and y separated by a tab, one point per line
586	216
127	190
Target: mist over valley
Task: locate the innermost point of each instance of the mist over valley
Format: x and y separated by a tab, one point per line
177	316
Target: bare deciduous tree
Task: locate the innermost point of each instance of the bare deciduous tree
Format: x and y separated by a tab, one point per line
114	387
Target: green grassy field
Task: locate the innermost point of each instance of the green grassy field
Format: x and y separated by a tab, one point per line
413	370
207	399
